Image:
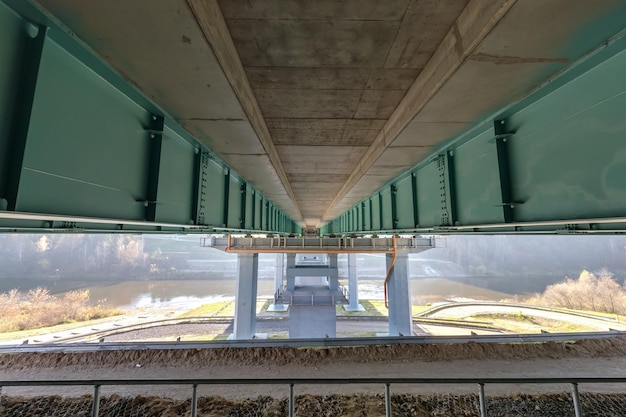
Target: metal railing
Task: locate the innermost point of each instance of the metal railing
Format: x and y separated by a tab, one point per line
480	383
319	342
317	244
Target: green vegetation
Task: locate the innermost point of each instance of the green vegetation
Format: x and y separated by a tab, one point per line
227	308
223	308
418	309
278	336
37	308
195	338
27	334
372	308
522	323
219	308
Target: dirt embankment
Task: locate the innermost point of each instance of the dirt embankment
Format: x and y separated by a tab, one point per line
469	359
309	356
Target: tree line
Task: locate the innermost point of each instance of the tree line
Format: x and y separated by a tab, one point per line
592	292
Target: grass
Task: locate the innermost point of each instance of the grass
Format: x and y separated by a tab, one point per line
418	309
521	323
227	308
200	338
219	308
38	309
364	334
372	308
618	317
278	336
27	334
223	308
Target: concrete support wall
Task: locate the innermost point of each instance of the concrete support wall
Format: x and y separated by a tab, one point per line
312	321
399	295
245	307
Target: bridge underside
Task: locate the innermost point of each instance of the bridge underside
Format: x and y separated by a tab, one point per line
404	116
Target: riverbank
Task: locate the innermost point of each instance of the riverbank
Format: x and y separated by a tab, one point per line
214	321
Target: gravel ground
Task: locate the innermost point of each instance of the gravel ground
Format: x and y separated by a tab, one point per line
345	328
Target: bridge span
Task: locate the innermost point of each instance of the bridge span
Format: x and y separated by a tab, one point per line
196	116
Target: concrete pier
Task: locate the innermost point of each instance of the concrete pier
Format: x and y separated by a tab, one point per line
312	292
399	295
291	278
333	277
279	277
245	303
353	286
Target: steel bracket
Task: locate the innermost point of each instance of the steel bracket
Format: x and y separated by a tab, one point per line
394	208
502	135
157	124
446	189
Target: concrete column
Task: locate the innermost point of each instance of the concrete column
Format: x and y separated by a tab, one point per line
291	265
279	277
353	286
399	296
280	271
333	278
245	303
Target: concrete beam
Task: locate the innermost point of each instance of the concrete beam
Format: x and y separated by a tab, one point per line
471	27
211	21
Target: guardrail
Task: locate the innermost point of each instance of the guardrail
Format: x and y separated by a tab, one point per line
315	343
317	244
292	382
313	298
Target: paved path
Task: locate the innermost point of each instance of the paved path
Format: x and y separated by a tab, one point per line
461	311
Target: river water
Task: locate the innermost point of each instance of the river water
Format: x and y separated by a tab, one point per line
431	282
191	293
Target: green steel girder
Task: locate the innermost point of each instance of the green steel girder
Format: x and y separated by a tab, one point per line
553	162
82	150
33	50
